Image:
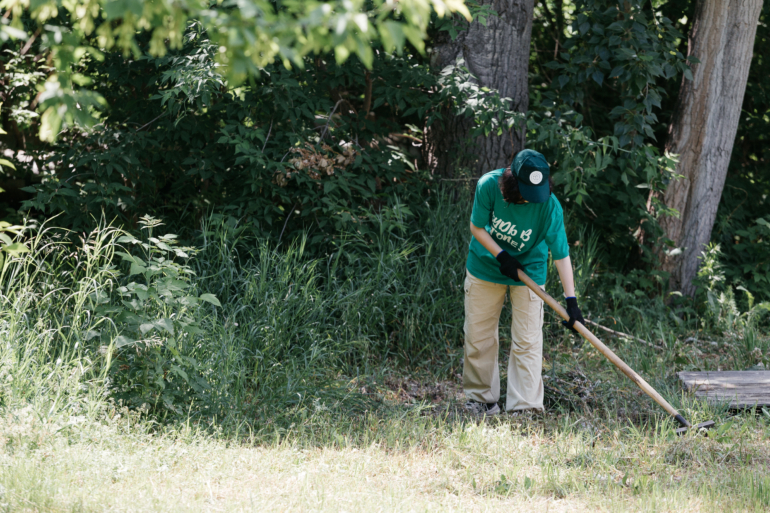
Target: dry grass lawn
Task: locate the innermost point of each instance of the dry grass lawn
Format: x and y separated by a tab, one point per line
398	461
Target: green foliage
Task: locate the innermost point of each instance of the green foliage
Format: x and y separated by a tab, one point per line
746	264
136	335
304	150
297	149
68	315
453	25
370	298
327	149
598	165
247	36
50	354
622	57
155	360
626	49
488	112
318	148
24	75
721	311
145	316
752	248
8	246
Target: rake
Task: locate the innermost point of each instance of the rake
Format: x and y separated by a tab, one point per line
612	357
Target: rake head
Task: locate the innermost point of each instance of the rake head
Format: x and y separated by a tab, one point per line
698	427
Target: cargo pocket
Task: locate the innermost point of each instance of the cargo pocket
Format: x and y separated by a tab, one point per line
537	317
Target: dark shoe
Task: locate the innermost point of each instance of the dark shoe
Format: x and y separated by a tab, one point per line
482	409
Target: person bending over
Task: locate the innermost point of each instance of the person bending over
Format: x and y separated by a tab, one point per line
515	221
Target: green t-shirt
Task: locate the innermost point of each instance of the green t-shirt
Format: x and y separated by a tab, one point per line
525	231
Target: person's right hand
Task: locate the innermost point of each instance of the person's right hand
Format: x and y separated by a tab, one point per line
509	266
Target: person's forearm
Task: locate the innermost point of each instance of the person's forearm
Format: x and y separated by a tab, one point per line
486	240
564	266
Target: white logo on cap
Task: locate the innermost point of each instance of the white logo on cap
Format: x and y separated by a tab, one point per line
536	177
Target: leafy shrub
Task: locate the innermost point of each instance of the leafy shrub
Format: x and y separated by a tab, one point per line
180	141
155	360
748	261
721	311
610	165
129	317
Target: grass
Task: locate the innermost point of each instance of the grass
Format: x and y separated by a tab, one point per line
402	459
332	383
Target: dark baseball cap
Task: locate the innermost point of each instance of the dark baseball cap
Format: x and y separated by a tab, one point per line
532	171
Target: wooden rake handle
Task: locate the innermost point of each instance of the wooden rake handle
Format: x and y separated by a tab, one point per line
606	351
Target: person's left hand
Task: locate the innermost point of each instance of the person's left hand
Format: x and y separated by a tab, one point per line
574	315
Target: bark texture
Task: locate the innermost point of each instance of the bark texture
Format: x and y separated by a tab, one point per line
498	55
704	126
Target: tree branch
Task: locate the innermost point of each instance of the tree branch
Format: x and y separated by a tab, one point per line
623	335
368	94
326	128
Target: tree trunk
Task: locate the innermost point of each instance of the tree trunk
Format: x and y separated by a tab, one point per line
704	125
498	55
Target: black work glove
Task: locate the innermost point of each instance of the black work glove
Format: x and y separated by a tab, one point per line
574	315
509	266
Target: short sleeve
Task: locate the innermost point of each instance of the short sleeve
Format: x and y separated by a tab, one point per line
483	202
556	238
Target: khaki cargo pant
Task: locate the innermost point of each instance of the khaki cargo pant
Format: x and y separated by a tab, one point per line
481	378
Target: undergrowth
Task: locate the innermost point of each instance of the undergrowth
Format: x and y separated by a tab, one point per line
232	331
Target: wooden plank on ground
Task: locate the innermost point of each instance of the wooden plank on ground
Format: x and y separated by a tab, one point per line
742	389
